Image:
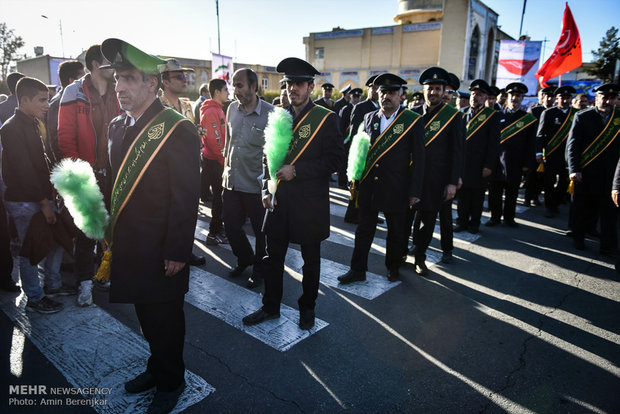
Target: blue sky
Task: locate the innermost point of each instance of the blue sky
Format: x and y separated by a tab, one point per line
260	31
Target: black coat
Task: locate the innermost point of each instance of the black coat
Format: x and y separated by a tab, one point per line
481	151
597	176
537	110
358	113
339	104
302	211
517	152
391	181
322	102
443	162
159	219
550	122
345	118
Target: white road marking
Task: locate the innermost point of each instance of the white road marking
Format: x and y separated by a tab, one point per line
230	303
93	349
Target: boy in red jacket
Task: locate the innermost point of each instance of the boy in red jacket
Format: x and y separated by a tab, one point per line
213	122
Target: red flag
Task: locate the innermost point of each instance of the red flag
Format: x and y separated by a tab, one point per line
567	53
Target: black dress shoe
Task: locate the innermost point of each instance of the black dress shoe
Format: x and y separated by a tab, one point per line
491	223
164	401
528	203
237	270
393	275
473	229
254	281
446	257
579	244
420	268
306	319
258	317
141	383
8	285
197	260
511	223
459	228
352	276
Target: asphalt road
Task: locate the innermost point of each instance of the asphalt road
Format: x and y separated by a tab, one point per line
518	322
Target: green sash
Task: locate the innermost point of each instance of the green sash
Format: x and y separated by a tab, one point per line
562	133
138	158
392	134
436	125
603	140
516	127
304	132
478	120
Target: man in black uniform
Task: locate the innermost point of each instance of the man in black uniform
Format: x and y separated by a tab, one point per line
299	209
534	180
553	128
326	99
392	179
481	142
492	99
443	164
592	155
357	117
152	225
518	130
345	119
344	99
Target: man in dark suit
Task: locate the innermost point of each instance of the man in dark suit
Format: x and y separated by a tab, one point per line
553	128
344	99
481	142
152	225
592	156
326	100
299	209
345	119
491	101
443	164
392	179
518	130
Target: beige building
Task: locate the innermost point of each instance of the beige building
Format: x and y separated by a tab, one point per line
461	36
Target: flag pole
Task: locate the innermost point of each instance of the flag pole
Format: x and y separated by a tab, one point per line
522	16
560	81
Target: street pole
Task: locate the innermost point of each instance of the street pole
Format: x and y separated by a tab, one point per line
217	12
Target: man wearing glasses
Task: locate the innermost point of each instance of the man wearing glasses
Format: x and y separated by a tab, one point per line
174	83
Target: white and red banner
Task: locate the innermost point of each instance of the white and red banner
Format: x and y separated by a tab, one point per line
222	68
567	53
518	62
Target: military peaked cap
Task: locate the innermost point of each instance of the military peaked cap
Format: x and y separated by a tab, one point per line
123	55
454	81
516	87
608	89
434	75
481	85
565	90
296	70
389	82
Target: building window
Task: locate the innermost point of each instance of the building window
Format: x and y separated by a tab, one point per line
265	84
474	45
319	53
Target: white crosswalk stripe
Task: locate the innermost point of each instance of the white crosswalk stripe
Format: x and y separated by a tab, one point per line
93	349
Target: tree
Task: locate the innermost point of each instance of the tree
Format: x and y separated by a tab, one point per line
606	56
9	44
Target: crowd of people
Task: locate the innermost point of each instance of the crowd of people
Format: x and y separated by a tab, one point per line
155	155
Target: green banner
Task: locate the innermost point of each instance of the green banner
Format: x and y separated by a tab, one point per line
602	141
138	158
436	125
478	120
516	127
392	134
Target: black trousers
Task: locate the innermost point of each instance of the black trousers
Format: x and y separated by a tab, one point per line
272	269
214	172
586	206
6	260
84	251
533	183
342	170
365	233
496	190
163	326
423	234
556	183
470	205
445	226
237	207
205	184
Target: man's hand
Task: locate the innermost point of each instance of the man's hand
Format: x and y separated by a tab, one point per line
48	213
449	192
268	203
575	177
486	172
286	173
614	196
459	184
172	267
413	201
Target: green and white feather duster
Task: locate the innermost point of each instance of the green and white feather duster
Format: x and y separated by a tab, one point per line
278	136
357	154
76	183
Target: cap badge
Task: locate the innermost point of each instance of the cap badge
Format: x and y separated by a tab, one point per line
304	131
434	126
398	129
